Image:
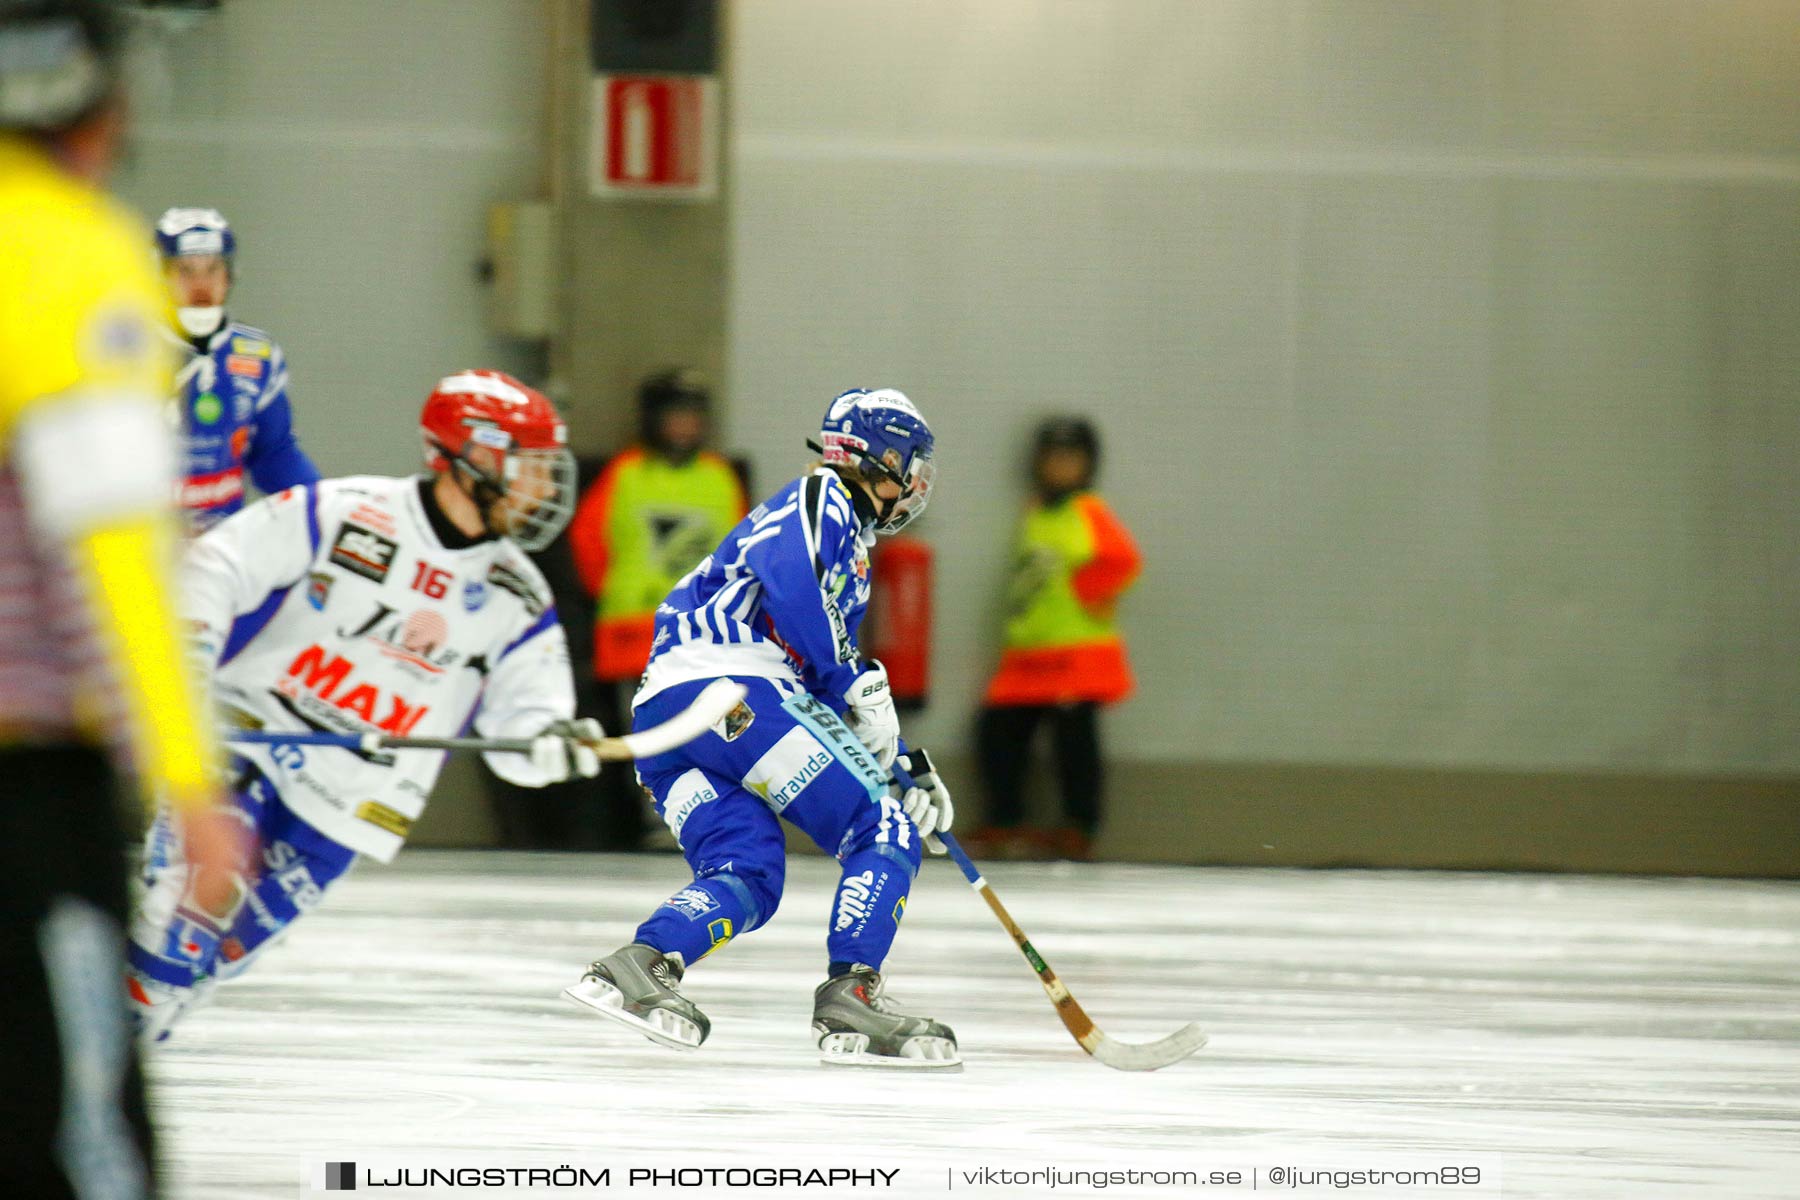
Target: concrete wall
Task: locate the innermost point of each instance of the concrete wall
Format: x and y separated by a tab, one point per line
643	281
1446	353
355	146
1447	357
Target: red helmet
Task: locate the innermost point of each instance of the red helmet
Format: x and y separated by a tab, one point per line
525	481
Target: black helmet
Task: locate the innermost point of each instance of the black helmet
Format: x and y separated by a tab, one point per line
669	391
1067	433
59	59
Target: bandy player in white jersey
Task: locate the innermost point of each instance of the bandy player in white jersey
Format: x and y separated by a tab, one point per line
368	604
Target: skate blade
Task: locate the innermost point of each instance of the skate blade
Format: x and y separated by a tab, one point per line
659	1025
918	1054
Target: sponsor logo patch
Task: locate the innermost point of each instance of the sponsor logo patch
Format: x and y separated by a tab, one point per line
200	241
856	900
243	364
419	641
363	552
380	520
509	580
204	491
383	817
117	335
249	346
830	731
207	409
692	903
689	793
323	689
288	868
787	767
840	633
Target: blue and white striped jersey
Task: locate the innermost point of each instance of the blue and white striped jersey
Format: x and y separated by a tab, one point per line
781	598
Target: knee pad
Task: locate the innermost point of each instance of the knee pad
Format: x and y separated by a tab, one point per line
885	828
756	885
907	861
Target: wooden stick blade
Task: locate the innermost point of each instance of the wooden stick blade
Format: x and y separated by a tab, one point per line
1150	1056
707	710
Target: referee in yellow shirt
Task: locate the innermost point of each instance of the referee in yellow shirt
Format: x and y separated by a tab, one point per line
90	656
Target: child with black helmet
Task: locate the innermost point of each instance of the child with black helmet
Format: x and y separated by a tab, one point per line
1063	658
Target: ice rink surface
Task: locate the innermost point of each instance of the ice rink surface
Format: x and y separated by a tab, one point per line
1614	1038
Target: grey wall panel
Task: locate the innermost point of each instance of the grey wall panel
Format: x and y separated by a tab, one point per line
355	145
1442	351
1446	354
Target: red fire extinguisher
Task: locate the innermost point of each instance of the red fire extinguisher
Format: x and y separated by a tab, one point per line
897	628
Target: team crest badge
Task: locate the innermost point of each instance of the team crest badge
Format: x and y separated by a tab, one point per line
738	720
318	589
475	594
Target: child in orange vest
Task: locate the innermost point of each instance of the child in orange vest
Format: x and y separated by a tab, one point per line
1063	655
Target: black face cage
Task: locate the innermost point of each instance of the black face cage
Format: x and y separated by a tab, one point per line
535	515
915	490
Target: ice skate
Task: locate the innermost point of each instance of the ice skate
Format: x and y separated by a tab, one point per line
636	985
857	1026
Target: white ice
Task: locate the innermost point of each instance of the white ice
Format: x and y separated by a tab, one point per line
1604	1037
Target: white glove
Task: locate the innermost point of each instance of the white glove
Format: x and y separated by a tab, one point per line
928	801
562	750
872	717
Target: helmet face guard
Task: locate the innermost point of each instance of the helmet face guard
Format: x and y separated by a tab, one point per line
884	438
915	488
529	500
506	443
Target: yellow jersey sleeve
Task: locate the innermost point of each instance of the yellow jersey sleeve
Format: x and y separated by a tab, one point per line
80	306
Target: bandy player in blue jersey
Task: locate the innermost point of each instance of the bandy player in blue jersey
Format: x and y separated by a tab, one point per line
231	390
777	608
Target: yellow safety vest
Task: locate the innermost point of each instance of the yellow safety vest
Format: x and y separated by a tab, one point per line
644	524
1072	562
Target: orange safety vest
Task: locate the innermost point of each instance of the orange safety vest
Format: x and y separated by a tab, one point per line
1074	559
640	527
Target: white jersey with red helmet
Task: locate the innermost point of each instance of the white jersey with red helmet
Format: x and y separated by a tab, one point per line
336	606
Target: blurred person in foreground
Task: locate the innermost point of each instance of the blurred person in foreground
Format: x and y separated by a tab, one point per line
657	509
1063	656
90	653
231	387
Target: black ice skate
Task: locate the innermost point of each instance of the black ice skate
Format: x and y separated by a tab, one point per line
857	1026
635	985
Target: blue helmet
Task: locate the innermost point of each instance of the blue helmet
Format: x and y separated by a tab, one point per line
881	435
182	231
